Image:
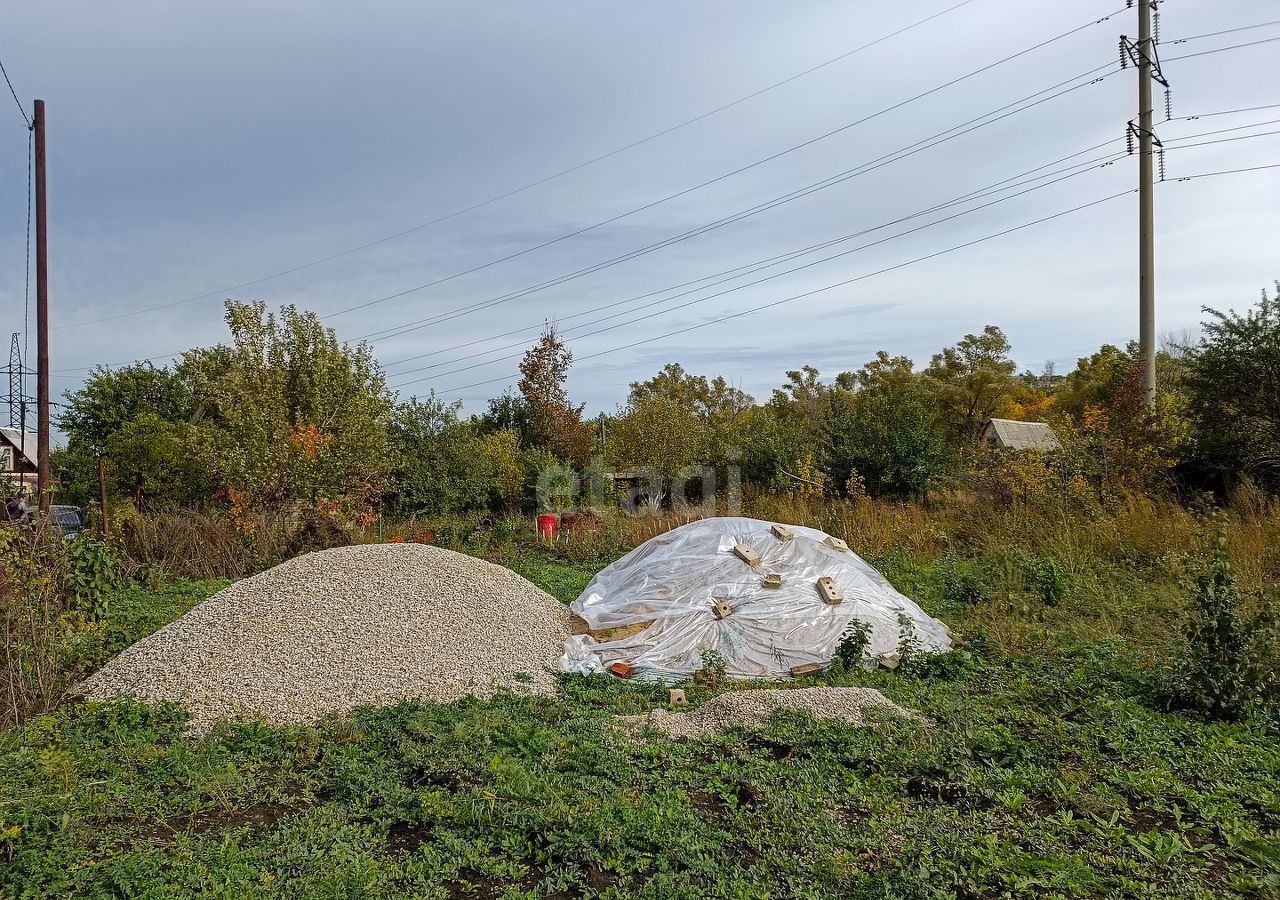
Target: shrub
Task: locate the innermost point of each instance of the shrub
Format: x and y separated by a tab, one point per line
1046	579
853	645
90	574
962	581
1220	673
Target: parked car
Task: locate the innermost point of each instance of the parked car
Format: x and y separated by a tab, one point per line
68	521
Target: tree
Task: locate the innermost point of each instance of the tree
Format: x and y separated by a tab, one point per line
554	423
508	412
972	379
660	433
1233	386
713	399
298	415
161	462
440	463
888	435
141	419
111	398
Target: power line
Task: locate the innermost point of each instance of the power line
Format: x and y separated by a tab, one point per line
660	201
1223	49
839	178
820	290
554	175
1228	112
22	111
964	198
774	303
1196	37
760	265
1226	172
738	171
956	131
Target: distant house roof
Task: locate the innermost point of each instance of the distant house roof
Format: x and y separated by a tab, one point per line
22	450
1019	435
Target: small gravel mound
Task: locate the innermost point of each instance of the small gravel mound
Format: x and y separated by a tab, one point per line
333	630
752	709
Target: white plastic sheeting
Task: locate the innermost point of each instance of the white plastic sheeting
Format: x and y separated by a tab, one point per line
675	579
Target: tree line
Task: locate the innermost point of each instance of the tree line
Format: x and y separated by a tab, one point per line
283	415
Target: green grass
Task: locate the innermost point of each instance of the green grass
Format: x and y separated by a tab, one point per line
1047	773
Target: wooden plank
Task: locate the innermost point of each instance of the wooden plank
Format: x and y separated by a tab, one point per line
747	554
838	544
806	669
721	609
782	532
773	581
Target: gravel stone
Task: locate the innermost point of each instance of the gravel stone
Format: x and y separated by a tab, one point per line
751	709
329	631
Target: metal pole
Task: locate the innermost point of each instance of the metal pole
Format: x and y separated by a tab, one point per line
43	487
1147	208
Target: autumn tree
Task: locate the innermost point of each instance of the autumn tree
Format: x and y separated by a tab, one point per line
553	422
298	415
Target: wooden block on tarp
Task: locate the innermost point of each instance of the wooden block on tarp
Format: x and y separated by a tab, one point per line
747	554
621	633
838	544
891	661
806	669
772	581
782	532
721	609
829	591
675	697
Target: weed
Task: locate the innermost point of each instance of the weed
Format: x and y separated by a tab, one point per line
853	645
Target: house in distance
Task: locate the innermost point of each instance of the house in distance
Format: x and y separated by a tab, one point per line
1018	435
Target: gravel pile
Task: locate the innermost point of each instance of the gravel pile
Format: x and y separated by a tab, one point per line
330	631
752	709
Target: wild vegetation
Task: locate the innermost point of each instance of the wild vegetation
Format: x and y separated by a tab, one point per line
1111	727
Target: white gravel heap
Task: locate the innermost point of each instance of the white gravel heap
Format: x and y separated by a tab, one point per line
330	631
751	709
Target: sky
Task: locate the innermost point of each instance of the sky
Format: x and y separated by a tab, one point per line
196	148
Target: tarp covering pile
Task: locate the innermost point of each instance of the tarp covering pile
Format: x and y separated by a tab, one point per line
663	606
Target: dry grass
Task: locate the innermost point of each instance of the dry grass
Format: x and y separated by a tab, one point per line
31	632
195	544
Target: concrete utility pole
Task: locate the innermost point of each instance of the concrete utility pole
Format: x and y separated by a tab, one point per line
1147	206
43	486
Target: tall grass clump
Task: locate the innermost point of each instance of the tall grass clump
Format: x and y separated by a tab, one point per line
195	544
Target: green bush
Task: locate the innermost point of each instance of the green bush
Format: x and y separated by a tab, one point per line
853	645
1046	579
90	574
963	581
1220	674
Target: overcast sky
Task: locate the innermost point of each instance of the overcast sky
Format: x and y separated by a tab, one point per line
198	146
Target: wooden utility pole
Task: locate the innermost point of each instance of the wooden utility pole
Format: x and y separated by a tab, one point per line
1147	206
102	494
43	486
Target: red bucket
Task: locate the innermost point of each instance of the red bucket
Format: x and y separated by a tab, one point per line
547	525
